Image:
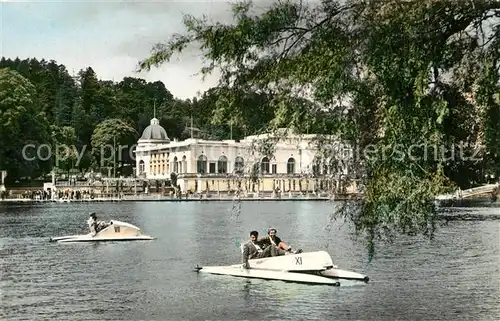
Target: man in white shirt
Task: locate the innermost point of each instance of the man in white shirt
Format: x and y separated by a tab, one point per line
278	247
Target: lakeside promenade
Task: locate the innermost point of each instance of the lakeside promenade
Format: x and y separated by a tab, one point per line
189	198
474	201
489	192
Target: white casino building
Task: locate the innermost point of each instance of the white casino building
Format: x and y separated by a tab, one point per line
207	165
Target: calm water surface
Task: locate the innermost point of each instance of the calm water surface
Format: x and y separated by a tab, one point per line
454	277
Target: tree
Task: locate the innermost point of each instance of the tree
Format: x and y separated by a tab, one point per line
113	140
392	77
55	88
65	148
23	129
88	108
65	99
75	105
248	112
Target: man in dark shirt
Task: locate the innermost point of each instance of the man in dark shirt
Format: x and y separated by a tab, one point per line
93	224
96	226
276	245
253	249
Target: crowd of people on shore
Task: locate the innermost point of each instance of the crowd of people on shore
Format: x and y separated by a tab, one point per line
46	195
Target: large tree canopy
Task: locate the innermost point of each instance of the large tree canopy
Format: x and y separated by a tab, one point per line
414	83
23	128
70	107
113	142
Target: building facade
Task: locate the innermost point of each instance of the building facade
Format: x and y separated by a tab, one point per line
285	161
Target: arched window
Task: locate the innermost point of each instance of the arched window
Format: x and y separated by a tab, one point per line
184	164
141	167
176	165
264	165
239	164
222	165
201	166
290	166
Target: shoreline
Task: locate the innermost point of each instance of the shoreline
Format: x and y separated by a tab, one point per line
172	200
161	198
189	199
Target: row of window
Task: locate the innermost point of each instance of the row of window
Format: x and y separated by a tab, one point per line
221	166
178	167
278	185
239	164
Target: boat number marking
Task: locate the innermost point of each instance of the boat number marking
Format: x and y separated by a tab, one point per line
298	260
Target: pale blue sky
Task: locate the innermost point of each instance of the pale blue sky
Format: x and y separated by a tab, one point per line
109	36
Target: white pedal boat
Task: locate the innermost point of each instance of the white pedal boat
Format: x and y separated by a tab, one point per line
115	231
310	267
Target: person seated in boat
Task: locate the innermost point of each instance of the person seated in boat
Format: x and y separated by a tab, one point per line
253	249
95	225
276	245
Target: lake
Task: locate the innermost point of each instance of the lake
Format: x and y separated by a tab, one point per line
456	276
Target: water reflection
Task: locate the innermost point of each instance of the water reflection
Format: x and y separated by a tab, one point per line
459	269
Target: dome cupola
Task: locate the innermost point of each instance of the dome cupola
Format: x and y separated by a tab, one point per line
154	133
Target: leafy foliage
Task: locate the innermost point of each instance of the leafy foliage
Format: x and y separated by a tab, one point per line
112	141
411	86
64	148
64	110
23	129
396	78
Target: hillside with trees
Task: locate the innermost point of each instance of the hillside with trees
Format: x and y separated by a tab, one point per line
42	103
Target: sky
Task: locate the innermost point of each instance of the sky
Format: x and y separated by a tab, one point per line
109	36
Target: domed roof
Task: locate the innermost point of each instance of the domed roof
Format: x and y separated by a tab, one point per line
155	132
